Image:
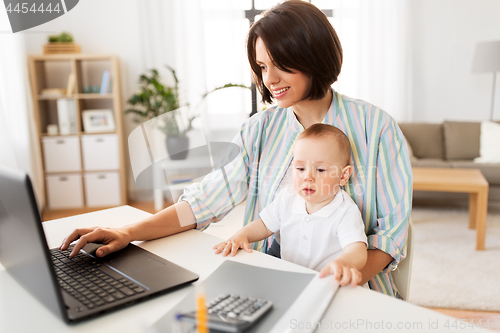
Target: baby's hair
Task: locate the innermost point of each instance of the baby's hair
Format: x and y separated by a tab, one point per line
329	132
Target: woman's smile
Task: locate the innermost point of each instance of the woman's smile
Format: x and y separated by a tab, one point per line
279	93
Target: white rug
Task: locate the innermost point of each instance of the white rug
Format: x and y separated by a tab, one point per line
447	270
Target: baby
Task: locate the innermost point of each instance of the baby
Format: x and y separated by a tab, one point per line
320	226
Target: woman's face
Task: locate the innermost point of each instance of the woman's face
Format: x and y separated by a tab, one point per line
287	88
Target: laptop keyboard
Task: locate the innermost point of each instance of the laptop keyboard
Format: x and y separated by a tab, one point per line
82	278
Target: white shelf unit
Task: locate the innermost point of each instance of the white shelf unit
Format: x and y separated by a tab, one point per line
81	170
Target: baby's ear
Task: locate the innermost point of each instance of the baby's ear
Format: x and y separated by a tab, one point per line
346	173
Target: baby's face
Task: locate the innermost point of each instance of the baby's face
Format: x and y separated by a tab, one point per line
318	170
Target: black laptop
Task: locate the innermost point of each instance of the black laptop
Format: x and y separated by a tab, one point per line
80	287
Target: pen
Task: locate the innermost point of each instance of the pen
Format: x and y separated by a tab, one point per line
201	313
177	324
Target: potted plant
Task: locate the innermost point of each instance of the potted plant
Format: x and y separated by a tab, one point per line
158	100
64	37
62	43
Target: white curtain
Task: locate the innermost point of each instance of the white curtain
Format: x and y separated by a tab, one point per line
376	38
172	34
204	41
18	139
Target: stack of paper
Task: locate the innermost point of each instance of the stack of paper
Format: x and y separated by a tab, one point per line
66	114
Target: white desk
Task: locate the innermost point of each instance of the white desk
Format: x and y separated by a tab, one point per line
20	312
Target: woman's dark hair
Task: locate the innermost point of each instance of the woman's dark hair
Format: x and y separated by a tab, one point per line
298	36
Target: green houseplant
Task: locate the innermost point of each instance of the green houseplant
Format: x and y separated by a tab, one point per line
155	99
64	37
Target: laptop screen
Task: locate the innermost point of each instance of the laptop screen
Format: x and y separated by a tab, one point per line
23	248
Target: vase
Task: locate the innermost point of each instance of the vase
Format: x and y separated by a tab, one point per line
177	147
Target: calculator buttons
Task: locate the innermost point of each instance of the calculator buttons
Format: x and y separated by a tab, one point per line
233	313
238	307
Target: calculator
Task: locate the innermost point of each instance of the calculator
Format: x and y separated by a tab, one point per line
232	313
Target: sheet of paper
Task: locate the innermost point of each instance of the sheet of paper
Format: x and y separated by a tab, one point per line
280	287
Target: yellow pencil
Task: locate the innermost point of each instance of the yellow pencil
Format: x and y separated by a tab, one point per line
201	313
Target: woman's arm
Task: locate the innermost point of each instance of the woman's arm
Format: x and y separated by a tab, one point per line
376	261
394	188
198	207
253	232
171	220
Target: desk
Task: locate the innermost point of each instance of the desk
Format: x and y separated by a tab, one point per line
469	181
19	312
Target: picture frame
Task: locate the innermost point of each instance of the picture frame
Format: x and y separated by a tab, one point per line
98	121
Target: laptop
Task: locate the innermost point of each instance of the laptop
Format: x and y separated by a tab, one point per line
81	287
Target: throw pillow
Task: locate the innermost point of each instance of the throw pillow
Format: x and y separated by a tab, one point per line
489	147
461	140
425	139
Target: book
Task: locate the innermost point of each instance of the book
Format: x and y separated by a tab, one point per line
70	88
105	84
53	92
110	90
66	115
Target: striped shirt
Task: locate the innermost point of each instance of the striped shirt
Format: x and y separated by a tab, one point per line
381	184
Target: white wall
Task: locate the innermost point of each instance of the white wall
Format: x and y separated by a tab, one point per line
445	33
114	27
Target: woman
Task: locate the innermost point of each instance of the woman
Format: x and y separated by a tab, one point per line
295	56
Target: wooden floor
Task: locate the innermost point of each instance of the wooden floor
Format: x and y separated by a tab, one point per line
475	316
472	315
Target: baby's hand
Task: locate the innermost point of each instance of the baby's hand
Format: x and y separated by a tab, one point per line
232	245
342	271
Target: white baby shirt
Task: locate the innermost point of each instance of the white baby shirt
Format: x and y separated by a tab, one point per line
313	240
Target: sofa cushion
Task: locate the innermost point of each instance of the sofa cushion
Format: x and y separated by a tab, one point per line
425	139
461	140
490	171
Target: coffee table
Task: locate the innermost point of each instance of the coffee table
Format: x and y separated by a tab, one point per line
469	181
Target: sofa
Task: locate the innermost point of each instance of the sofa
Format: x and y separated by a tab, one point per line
450	144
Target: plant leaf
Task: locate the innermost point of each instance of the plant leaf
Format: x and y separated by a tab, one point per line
227	85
